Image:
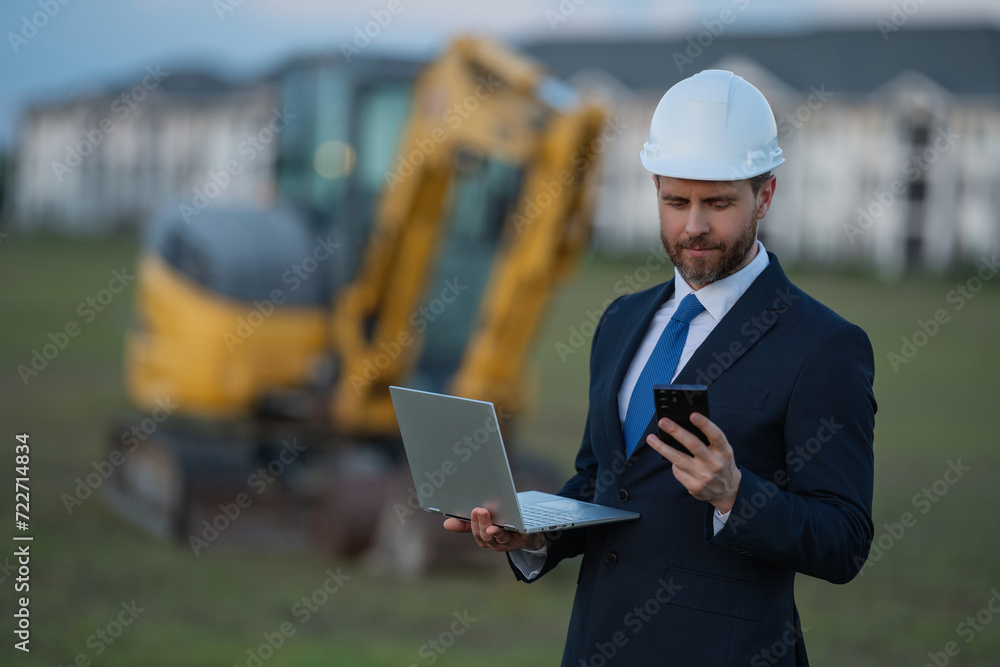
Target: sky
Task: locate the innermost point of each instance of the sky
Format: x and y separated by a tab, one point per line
54	49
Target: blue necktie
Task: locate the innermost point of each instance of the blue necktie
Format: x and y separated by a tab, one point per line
659	369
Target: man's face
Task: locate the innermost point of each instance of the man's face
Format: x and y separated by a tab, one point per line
709	228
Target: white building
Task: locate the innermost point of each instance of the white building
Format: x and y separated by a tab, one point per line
892	146
105	162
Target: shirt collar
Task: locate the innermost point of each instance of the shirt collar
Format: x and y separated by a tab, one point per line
720	296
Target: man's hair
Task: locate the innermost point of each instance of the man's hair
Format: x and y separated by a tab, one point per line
757	182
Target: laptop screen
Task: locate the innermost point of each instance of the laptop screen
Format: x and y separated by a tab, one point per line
456	454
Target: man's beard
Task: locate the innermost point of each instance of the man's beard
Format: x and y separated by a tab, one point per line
699	271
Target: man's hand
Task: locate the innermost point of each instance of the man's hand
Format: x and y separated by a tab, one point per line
493	537
711	474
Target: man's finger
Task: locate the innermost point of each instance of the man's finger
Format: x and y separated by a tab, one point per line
690	441
487	531
665	450
479	524
708	427
457	525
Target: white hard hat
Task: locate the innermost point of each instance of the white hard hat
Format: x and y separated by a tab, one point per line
713	126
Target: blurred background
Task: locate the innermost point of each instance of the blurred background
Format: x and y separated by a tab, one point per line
226	227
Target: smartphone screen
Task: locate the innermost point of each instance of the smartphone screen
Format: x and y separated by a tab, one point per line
676	402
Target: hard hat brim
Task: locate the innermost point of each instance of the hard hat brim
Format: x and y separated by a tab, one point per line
709	169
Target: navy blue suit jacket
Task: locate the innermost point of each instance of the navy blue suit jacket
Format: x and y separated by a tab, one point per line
790	384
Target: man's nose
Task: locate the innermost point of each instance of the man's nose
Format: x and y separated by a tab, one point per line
697	222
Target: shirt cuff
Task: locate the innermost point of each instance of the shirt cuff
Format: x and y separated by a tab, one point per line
530	561
719	520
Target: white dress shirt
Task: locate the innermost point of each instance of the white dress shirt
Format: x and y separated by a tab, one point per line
717	298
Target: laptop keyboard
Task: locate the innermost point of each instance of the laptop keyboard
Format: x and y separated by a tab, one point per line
539	516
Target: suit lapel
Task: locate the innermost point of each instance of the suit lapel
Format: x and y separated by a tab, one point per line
749	320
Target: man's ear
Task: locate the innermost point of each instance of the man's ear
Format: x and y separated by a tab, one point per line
765	197
656	179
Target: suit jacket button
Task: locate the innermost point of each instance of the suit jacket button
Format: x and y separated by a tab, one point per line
612	559
623	495
733	546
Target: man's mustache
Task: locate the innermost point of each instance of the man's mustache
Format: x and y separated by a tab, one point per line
700	244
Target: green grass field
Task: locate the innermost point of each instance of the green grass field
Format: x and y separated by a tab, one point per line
912	599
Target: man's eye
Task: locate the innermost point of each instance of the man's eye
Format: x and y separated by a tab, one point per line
721	206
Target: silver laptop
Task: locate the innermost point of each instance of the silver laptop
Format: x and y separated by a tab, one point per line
458	463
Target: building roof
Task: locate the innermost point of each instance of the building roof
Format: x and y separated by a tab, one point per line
964	61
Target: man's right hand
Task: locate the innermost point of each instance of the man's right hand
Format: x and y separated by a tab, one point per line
493	537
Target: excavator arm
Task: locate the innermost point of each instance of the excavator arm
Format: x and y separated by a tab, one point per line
477	108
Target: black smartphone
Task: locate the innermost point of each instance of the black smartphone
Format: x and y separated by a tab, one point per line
676	402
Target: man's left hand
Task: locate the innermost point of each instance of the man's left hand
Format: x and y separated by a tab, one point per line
711	474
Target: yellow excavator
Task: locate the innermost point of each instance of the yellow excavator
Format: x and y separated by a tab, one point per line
426	214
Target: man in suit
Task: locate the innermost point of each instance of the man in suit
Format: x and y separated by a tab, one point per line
705	577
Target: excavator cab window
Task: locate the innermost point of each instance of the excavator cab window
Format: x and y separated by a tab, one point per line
319	99
381	115
334	156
